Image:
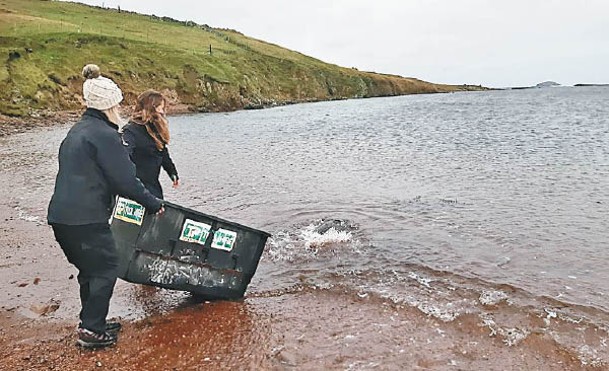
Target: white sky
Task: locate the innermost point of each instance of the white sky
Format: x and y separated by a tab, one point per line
496	43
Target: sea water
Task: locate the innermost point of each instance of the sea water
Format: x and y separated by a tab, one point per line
492	204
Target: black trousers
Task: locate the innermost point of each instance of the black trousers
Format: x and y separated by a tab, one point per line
92	250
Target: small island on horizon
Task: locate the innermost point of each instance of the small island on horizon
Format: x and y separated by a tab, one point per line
578	85
551	84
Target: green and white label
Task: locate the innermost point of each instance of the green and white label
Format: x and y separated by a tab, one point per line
129	211
224	240
196	232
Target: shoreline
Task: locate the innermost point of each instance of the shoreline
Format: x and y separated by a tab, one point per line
16	124
305	327
296	330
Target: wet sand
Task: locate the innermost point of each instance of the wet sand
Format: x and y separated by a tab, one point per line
303	328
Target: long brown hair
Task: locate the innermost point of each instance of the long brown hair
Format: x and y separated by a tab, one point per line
145	114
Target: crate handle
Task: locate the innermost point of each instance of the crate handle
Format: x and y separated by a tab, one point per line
173	242
205	251
235	257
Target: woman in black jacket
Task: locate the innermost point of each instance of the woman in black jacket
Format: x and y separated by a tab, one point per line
147	137
94	167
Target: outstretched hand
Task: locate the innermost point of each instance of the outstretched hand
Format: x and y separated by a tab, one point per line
175	180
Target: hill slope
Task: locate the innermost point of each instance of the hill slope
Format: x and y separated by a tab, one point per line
46	43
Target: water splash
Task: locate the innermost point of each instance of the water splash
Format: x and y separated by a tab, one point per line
316	240
308	242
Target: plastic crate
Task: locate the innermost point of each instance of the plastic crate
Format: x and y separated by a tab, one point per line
186	250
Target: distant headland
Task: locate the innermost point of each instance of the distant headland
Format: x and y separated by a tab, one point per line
198	67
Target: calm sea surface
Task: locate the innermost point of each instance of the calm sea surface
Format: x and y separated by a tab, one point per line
446	202
507	186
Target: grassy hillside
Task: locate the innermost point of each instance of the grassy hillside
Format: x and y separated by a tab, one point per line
46	43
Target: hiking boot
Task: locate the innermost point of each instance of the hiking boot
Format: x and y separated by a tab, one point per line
113	327
91	339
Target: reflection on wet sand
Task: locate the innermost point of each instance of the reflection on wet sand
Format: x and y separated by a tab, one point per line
226	335
153	300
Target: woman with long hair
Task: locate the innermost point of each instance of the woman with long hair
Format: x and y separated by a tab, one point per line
147	137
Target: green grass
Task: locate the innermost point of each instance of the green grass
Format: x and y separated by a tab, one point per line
55	39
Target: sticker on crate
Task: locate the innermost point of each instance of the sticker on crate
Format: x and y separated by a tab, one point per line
196	232
129	211
224	239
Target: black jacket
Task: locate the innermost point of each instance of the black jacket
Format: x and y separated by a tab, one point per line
94	166
147	158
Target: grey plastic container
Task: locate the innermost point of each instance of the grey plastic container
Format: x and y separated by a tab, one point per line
186	250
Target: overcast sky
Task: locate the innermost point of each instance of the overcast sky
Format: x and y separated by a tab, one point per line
496	43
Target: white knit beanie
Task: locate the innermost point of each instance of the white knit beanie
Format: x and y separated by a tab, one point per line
99	92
